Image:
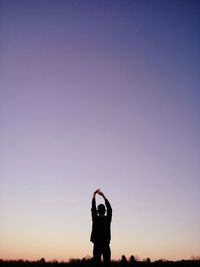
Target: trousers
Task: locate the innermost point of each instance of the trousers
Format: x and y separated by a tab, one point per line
98	251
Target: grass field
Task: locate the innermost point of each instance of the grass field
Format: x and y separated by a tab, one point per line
89	263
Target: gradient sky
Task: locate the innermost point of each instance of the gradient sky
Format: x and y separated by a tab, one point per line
99	94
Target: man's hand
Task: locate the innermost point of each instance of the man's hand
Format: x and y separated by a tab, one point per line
95	192
101	194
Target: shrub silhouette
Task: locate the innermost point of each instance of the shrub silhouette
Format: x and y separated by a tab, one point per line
87	262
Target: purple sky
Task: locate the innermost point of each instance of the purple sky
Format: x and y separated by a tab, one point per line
99	94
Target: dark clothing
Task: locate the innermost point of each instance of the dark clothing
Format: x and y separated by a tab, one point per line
99	250
101	234
101	224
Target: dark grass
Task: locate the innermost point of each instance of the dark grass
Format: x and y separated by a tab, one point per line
89	263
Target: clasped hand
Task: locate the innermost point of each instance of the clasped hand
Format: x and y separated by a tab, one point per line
98	191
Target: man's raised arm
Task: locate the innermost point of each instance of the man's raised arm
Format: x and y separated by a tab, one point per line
94	209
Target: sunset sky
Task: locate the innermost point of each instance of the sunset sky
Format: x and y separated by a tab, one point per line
99	94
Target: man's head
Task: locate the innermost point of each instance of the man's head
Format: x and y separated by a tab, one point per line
101	209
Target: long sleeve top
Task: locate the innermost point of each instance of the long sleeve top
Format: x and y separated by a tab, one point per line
101	232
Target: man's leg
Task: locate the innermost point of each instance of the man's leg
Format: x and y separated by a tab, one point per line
106	255
97	255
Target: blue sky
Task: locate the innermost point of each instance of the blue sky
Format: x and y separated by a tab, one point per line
99	94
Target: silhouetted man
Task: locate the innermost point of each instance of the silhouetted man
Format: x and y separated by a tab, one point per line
101	235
